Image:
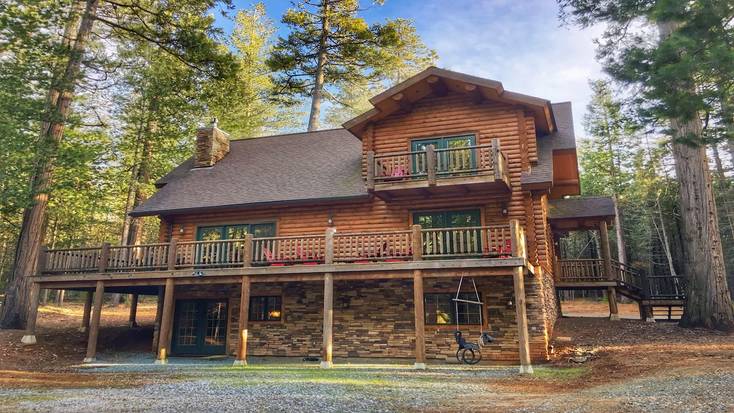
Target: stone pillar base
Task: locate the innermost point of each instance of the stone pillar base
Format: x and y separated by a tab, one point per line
419	366
614	317
132	324
28	339
88	360
526	369
161	361
240	363
82	329
650	319
326	364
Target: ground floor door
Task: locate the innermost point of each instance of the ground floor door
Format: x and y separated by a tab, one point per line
200	327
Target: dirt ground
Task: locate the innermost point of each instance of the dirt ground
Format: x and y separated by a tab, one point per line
590	355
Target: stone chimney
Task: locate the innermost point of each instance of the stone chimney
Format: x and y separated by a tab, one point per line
212	144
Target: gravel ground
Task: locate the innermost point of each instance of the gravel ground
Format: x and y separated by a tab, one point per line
213	385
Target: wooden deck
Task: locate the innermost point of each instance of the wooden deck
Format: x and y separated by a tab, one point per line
442	252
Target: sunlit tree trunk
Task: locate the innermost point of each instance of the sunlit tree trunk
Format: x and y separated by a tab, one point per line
318	88
56	112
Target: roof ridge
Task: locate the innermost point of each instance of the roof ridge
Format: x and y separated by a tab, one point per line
285	134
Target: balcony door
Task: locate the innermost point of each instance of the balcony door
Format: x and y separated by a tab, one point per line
450	242
450	157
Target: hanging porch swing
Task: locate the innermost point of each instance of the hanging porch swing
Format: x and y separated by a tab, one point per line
469	352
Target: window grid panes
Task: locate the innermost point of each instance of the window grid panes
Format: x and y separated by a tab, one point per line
216	316
265	308
187	324
440	309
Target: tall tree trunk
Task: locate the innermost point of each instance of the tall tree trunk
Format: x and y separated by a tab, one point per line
60	294
721	182
621	248
59	99
709	303
318	88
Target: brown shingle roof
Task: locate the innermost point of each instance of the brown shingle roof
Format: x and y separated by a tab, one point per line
584	207
300	167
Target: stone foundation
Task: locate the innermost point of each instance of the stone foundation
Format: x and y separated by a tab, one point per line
375	319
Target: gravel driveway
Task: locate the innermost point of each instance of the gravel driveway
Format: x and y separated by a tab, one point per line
213	385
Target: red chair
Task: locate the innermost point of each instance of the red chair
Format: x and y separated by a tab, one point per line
270	258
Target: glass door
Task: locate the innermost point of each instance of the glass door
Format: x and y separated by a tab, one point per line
200	327
450	157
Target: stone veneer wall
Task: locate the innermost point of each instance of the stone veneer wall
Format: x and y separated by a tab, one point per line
375	319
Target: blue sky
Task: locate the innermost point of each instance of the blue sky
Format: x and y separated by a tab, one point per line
518	42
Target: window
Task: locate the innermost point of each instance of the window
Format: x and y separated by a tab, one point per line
266	308
223	232
441	309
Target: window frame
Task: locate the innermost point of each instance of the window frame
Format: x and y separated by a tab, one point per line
266	310
451	322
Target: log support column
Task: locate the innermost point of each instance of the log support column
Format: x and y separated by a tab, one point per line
518	277
326	348
132	323
164	336
241	359
30	333
420	322
87	312
613	309
94	324
157	323
606	255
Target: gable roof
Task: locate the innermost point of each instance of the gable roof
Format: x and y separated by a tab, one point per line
273	170
434	80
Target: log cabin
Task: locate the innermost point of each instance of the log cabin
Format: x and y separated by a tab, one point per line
437	210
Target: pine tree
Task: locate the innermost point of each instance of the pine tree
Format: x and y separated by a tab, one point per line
328	44
678	79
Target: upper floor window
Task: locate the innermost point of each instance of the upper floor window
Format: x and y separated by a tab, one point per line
238	231
453	153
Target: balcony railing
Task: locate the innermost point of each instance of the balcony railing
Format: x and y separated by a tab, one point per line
434	164
495	241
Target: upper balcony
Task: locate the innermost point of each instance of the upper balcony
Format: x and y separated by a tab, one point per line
476	168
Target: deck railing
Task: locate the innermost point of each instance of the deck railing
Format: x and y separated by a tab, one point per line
585	269
431	164
494	241
666	287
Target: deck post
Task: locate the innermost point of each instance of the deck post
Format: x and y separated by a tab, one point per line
164	336
94	324
608	270
132	323
370	170
417	242
431	164
30	332
518	278
247	253
328	332
496	163
420	322
172	254
241	359
104	256
157	324
326	348
42	258
87	312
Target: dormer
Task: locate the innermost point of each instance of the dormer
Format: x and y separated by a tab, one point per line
444	132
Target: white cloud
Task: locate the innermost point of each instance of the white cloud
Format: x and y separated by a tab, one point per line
519	43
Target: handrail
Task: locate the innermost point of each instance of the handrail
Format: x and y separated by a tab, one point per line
490	241
431	164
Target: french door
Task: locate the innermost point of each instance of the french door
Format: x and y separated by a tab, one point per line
200	327
454	154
